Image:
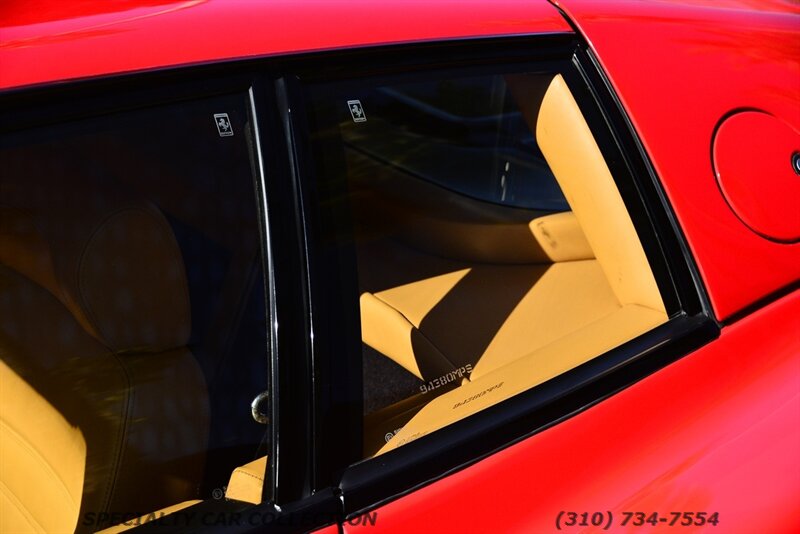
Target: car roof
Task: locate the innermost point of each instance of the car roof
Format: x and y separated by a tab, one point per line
50	40
45	41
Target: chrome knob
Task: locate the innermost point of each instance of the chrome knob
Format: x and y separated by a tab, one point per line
259	407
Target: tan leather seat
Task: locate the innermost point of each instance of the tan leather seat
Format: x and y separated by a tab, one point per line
571	151
42	465
247	482
473	318
448	281
94	319
524	373
519	326
474	314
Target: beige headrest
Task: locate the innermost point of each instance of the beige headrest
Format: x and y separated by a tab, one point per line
118	269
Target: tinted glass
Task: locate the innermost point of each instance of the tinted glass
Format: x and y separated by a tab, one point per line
465	134
475	279
133	297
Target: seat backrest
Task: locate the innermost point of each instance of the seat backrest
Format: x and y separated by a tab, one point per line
572	153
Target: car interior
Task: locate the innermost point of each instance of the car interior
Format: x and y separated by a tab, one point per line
132	313
132	316
476	301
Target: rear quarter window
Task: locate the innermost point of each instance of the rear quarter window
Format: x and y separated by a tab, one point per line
491	247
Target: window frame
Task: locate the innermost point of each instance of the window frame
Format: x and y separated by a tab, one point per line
366	484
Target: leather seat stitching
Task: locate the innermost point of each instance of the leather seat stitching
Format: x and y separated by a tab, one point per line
260	479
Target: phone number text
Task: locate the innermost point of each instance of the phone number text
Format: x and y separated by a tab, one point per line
605	520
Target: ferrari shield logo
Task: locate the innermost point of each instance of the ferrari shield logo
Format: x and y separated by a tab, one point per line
223	124
357	111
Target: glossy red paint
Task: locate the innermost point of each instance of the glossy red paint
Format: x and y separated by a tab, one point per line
716	431
678	71
753	159
51	42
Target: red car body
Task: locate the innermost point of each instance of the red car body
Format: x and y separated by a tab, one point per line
716	431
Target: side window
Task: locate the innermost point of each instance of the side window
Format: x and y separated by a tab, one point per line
132	310
493	249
